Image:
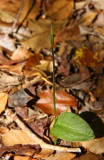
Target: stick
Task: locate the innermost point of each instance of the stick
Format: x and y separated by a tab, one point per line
10	114
17	17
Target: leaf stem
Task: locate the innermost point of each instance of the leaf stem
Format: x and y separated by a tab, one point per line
52	46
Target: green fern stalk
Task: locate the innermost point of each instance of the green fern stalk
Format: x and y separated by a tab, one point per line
52	46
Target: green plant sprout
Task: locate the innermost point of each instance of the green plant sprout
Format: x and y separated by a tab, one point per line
52	46
68	126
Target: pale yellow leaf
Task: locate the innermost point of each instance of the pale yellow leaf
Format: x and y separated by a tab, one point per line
3	101
88	18
7	16
45	65
21	53
16	137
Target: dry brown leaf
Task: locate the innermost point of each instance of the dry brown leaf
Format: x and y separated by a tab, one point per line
89	156
95	145
100	30
3	101
42	26
43	153
99	89
34	69
88	18
42	34
61	156
39	41
60	9
16	137
29	6
13	68
18	98
63	101
98	4
30	66
21	53
10	115
8	81
7	16
45	65
17	157
10	5
68	33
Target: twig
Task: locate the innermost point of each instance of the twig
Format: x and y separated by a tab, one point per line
10	114
17	17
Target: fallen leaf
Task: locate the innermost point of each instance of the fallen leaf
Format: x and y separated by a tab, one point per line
64	66
21	53
3	101
76	78
90	156
18	98
44	153
39	126
36	114
61	156
99	88
14	137
8	81
42	34
100	20
45	65
7	16
19	149
33	69
16	157
68	33
41	26
11	6
30	10
86	57
63	101
60	9
12	68
6	41
79	5
95	145
88	18
98	4
39	41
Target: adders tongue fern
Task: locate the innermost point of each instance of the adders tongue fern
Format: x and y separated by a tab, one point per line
52	46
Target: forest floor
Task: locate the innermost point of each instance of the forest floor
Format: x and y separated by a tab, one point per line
26	77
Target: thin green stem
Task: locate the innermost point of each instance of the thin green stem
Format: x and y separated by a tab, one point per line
52	46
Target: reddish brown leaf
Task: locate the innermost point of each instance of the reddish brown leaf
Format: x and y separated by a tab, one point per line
86	57
60	10
90	156
63	101
68	33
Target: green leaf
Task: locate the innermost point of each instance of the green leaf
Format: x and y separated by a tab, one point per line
72	127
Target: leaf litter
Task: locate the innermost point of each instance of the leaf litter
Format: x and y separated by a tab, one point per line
26	103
